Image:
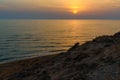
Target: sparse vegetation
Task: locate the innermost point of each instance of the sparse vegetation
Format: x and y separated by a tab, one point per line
97	58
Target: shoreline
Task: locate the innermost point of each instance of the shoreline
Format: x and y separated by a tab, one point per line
22	59
79	62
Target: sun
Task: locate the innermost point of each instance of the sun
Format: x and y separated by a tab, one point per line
75	12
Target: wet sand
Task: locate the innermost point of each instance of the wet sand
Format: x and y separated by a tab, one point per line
98	59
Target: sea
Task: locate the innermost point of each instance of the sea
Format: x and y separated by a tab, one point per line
28	38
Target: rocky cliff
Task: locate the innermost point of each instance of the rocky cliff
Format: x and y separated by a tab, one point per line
98	59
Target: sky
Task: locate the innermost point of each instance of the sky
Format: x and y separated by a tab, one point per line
60	9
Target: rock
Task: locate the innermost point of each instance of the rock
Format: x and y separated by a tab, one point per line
117	34
74	47
94	60
105	39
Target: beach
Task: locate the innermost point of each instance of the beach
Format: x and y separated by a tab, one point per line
21	38
98	59
59	39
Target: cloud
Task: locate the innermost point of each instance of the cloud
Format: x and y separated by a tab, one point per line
59	8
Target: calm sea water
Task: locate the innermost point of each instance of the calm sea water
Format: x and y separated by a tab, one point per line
30	38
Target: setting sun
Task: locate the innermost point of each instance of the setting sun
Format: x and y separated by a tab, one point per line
75	12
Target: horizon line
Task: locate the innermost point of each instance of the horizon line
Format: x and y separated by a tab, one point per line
62	18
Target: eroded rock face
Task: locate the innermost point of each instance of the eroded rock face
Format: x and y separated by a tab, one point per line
95	60
117	34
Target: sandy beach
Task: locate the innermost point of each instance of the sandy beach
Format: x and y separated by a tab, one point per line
98	59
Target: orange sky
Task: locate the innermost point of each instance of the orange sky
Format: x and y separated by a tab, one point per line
64	6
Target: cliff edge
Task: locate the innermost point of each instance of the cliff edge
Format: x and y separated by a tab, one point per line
98	59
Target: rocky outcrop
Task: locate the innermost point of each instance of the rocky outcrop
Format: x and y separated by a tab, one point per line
98	59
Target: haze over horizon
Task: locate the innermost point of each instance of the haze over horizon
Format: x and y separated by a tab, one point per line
63	9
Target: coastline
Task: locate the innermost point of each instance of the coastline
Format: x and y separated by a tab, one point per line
80	62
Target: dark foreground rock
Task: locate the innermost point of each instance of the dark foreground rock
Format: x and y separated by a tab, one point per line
95	60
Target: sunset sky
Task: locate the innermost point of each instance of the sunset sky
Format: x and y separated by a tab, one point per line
64	9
